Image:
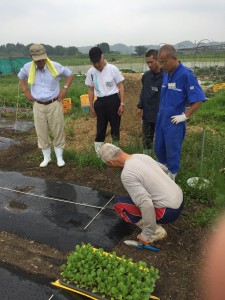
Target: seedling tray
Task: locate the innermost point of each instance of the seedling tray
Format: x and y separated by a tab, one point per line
74	289
69	287
100	275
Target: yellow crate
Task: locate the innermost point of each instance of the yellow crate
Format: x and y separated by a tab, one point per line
84	101
67	105
218	86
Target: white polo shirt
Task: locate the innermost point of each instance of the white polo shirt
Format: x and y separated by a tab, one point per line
104	82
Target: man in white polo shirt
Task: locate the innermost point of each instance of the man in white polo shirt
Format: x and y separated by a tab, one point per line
106	83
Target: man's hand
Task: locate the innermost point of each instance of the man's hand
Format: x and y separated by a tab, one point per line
28	95
61	94
121	110
178	119
142	240
139	112
92	111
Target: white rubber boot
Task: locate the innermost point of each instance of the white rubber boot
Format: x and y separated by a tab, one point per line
98	146
159	234
59	154
47	157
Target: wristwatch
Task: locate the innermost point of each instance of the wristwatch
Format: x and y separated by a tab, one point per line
122	103
65	87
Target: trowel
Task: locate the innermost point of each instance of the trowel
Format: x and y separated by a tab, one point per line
140	246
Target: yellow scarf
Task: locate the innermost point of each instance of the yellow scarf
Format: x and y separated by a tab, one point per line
32	72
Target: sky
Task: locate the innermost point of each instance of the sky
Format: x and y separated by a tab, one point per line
131	22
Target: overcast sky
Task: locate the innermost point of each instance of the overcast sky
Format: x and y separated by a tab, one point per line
131	22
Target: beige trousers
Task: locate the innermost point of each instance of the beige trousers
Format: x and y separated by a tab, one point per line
49	118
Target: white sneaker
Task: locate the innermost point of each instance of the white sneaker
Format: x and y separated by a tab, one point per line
159	234
98	146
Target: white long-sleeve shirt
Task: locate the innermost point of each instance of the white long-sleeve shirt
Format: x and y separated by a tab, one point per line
149	187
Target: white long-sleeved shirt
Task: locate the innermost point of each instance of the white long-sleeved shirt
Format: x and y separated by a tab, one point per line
149	187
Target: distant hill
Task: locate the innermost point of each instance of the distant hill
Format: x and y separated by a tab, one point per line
184	44
85	49
124	49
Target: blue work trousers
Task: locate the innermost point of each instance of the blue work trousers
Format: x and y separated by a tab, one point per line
168	142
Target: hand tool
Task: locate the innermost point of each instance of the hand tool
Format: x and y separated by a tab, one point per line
141	246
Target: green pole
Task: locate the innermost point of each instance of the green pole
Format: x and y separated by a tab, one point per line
202	151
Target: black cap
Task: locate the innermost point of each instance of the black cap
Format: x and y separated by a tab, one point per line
95	54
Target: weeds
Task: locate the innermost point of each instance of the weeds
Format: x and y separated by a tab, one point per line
86	158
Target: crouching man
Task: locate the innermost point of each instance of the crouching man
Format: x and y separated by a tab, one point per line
153	199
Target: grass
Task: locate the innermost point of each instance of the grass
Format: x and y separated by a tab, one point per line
204	156
86	158
11	94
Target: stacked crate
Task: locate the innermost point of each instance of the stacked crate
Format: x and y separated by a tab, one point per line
84	101
67	105
218	86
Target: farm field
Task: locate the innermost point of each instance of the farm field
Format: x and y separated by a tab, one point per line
180	258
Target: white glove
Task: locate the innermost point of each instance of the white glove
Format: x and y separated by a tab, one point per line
178	119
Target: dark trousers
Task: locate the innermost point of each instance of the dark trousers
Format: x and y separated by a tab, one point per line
148	130
106	109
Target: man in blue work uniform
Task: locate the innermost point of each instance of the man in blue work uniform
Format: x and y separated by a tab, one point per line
148	105
179	87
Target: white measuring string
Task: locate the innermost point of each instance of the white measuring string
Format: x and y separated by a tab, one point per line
99	212
55	199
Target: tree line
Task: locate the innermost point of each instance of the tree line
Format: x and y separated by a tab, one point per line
20	50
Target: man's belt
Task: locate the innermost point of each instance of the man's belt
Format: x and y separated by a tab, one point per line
107	97
47	102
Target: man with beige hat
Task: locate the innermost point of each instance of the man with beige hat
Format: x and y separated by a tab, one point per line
43	89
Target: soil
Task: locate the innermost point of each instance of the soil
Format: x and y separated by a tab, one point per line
178	261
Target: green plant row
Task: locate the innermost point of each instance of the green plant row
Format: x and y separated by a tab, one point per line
108	275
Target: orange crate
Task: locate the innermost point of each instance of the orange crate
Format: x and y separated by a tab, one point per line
67	105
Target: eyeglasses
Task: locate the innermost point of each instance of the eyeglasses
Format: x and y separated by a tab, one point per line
164	62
